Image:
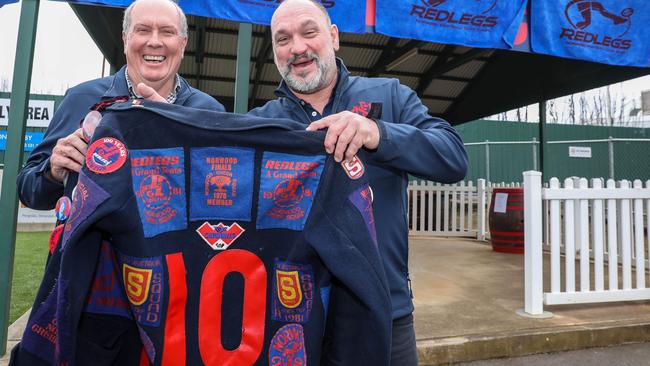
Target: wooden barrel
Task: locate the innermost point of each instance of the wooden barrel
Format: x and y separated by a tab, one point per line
507	220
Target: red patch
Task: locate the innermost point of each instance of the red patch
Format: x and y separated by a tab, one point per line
106	155
361	108
54	237
220	236
353	168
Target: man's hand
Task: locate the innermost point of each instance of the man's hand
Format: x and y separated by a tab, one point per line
149	93
347	133
68	155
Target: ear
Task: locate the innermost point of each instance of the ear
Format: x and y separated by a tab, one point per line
124	40
183	44
334	31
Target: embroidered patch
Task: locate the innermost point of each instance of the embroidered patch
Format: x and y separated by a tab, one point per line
293	292
222	183
220	236
86	197
106	155
288	346
353	168
62	209
159	184
106	295
288	184
54	237
40	335
362	200
143	284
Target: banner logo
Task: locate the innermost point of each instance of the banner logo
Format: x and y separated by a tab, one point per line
289	292
596	24
220	236
288	346
353	168
470	15
136	283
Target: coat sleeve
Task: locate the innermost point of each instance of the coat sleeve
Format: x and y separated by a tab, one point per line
35	189
419	144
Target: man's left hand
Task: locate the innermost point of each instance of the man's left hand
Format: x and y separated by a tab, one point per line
347	133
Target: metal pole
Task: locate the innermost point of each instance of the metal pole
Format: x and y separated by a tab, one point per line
14	156
542	139
610	144
242	72
534	153
487	160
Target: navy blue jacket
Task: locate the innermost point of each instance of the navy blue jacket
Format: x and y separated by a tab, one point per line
200	237
412	142
40	193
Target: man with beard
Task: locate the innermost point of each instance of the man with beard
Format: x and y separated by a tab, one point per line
154	34
391	124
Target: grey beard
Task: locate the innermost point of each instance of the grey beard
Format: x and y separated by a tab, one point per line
307	87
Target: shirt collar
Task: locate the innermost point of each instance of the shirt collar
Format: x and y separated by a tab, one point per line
171	98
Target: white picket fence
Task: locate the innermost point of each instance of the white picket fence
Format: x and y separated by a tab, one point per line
451	209
603	227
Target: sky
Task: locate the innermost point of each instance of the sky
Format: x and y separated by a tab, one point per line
65	55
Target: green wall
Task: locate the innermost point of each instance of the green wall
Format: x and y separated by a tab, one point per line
507	162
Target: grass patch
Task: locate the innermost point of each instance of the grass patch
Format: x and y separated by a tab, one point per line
29	265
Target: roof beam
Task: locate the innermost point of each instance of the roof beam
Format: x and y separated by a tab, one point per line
390	55
429	75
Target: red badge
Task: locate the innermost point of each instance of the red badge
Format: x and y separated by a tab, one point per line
353	168
62	208
54	237
106	155
220	236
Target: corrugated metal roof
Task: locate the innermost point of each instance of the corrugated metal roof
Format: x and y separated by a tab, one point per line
445	88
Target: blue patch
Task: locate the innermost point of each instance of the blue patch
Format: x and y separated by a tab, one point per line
86	197
40	335
288	346
293	292
362	200
106	294
159	185
288	185
143	282
222	183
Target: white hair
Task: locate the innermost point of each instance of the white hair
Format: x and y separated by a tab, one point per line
126	22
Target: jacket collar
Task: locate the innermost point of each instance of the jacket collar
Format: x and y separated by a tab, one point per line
118	88
341	83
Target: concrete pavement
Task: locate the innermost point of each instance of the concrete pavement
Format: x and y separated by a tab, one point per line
465	300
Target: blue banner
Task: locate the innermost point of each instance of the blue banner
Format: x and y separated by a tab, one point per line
609	31
31	140
475	23
5	2
348	15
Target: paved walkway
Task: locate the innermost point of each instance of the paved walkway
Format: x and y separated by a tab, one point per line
466	296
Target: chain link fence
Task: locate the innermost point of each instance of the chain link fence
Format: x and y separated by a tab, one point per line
611	158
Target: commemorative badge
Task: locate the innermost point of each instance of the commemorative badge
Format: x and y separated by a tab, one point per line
106	155
353	168
62	209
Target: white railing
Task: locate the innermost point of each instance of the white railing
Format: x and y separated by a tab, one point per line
451	209
601	228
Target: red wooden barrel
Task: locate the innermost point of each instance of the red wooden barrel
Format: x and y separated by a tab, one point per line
507	220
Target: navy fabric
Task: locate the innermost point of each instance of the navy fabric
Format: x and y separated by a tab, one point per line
614	32
482	23
34	188
218	291
412	142
403	351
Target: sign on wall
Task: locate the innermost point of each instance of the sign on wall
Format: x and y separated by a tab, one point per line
580	152
32	139
39	112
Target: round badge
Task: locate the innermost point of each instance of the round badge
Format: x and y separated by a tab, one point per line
89	124
54	237
288	346
62	208
106	155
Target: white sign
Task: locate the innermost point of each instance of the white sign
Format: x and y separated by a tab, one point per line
580	152
39	112
29	216
500	202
